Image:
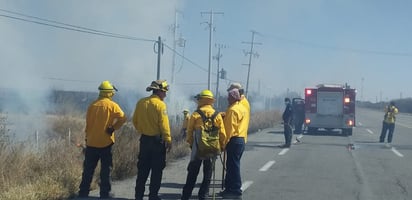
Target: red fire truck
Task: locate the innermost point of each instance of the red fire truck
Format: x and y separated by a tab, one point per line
330	106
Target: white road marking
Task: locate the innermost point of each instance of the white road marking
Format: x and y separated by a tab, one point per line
396	152
283	152
371	132
360	124
267	166
245	185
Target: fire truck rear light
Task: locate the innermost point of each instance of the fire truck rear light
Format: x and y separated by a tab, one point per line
307	121
350	122
347	100
308	92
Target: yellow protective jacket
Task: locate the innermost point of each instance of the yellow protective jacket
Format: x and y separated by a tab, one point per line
196	121
236	121
185	121
246	104
390	112
101	114
150	118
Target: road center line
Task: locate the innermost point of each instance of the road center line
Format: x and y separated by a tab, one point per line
245	185
371	132
267	166
283	152
396	152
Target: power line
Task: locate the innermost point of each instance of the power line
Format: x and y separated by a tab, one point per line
70	27
192	62
86	30
185	58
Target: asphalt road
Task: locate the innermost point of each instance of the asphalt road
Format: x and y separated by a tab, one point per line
324	166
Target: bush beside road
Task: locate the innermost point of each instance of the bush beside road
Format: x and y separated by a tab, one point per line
53	169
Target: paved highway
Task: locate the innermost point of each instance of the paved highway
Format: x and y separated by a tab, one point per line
324	166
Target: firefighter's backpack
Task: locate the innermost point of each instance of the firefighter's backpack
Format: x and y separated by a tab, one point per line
208	137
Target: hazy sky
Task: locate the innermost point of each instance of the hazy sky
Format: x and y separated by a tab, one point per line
303	43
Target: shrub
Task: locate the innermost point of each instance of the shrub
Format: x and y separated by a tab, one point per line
54	170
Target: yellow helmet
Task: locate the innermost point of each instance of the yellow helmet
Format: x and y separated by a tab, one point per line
158	85
106	86
206	94
185	111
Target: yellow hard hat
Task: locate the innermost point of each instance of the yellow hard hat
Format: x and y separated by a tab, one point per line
158	85
206	94
185	111
106	86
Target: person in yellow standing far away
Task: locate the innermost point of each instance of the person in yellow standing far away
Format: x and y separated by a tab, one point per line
388	124
186	117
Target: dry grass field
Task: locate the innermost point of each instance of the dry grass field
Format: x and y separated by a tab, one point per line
53	171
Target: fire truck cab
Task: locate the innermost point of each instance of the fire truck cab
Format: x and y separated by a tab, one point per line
330	106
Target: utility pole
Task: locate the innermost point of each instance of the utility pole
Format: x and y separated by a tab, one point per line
159	51
211	29
362	80
174	30
252	44
217	57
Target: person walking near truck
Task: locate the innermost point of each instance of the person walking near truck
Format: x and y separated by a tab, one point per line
103	117
388	124
287	126
151	121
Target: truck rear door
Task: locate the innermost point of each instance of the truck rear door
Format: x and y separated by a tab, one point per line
330	103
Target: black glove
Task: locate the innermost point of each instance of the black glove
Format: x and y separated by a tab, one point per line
110	130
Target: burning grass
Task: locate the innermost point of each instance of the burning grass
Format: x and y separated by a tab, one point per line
53	170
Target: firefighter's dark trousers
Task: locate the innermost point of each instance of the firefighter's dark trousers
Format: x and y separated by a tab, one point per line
234	149
92	156
287	131
152	157
298	126
385	128
192	173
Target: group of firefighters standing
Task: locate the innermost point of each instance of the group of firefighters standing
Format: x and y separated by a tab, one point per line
150	119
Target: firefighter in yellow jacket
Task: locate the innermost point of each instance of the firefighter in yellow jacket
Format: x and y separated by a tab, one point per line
103	117
151	121
205	100
186	117
388	124
236	125
243	101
